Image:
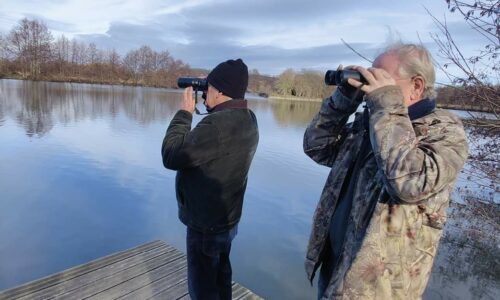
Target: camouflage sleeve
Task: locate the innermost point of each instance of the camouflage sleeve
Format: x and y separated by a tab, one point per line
414	168
327	129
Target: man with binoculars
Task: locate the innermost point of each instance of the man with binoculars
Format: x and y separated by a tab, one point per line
379	220
212	162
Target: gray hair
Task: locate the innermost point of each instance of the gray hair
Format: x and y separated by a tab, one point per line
415	60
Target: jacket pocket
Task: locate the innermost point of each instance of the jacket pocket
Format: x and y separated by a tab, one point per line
392	220
418	269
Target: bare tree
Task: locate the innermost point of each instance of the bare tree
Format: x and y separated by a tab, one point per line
304	84
131	62
3	56
78	57
113	60
477	76
310	84
163	75
164	60
176	68
261	84
31	53
30	42
61	53
286	82
92	54
476	79
3	47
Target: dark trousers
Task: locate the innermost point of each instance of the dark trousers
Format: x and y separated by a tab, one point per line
209	268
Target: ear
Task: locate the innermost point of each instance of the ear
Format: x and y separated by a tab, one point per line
418	87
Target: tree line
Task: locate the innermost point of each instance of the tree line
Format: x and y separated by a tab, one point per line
29	51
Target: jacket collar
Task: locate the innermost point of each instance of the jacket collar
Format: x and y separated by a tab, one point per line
415	111
233	103
421	108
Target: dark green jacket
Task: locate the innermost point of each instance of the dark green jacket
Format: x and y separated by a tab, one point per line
212	163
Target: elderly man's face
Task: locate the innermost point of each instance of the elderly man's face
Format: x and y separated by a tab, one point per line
390	63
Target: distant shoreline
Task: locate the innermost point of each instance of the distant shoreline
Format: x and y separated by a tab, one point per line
474	108
78	81
89	81
292	98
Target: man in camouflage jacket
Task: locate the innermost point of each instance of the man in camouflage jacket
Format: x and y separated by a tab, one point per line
380	217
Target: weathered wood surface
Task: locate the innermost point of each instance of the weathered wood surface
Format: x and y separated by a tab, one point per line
151	271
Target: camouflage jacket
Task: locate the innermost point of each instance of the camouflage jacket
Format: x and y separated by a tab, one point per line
400	198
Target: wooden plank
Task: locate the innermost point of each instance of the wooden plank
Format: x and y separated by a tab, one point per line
238	291
185	297
102	284
75	271
176	292
243	295
50	280
250	296
158	286
168	270
104	272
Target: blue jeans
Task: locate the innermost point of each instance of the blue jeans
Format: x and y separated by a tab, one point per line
209	268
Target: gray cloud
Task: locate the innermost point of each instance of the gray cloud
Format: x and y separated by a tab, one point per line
54	24
292	12
51	23
198	30
208	47
124	36
205	42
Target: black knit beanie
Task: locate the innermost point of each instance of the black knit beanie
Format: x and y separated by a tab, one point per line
230	78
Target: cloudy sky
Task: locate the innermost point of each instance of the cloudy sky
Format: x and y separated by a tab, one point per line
270	35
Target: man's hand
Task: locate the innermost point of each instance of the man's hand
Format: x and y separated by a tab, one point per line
348	90
188	103
376	78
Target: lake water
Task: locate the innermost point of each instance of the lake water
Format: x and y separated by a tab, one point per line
81	177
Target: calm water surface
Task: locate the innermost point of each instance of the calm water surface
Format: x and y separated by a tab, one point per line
81	177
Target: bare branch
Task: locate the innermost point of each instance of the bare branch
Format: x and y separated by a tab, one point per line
353	50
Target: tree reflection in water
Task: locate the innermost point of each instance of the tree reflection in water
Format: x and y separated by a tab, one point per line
294	113
36	106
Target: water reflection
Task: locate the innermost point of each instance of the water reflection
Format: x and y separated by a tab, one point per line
296	113
467	263
68	102
2	117
89	181
37	105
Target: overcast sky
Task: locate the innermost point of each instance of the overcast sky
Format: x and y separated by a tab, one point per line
269	35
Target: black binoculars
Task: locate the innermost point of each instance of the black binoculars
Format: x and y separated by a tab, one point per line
340	77
198	84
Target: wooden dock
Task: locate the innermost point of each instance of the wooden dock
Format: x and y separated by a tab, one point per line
151	271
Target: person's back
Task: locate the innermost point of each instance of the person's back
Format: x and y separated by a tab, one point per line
216	202
212	163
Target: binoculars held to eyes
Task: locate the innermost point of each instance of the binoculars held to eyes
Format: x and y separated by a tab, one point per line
339	78
198	84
